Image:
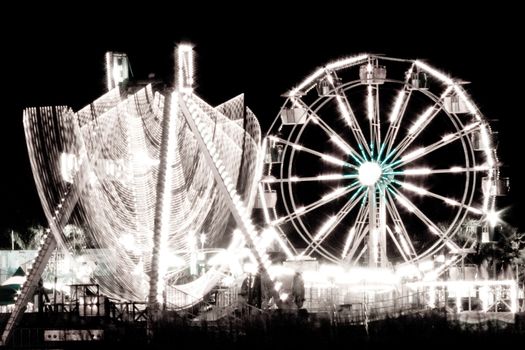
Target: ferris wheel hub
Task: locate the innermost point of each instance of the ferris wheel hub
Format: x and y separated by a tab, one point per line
369	173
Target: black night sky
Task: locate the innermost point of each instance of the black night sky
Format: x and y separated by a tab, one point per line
59	60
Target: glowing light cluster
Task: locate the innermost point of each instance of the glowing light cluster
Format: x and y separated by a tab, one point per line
120	210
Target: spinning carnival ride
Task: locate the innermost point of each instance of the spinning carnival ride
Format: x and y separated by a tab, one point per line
152	172
365	167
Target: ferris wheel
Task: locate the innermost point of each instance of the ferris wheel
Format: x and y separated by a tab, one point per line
364	167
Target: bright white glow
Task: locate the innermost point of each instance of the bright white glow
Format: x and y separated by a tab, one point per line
332	160
185	67
337	140
421	171
456	169
370	103
345	62
433	230
470	126
335	193
485	137
451	201
481	168
268	179
297	147
307	84
421	120
128	242
344	110
404	244
493	218
326	226
108	71
437	74
397	106
300	210
283	296
475	211
369	173
405	203
426	265
447	137
414	188
413	154
349	240
68	166
330	177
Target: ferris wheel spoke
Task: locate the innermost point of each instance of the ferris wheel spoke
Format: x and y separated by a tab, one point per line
399	226
396	243
361	253
328	227
372	115
334	136
447	139
346	111
396	116
326	157
420	124
360	232
431	225
429	171
319	178
421	191
327	198
352	232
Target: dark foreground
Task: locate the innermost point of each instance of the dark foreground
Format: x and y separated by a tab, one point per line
276	330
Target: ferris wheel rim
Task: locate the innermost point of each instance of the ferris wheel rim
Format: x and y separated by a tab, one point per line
315	107
466	143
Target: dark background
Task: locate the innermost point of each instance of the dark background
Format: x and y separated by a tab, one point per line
54	58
